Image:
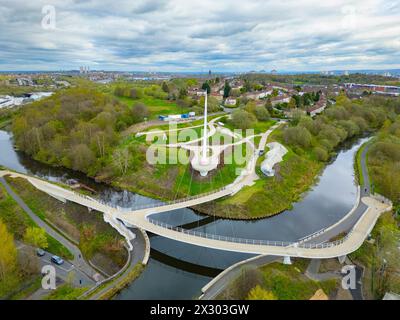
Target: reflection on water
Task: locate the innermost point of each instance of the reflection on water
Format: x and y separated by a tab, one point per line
172	272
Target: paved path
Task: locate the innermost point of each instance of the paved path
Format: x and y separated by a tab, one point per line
84	270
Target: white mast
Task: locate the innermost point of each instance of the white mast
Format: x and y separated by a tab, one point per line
204	152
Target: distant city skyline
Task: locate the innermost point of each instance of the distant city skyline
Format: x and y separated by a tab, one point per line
177	36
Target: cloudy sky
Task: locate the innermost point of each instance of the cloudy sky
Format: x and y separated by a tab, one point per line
193	35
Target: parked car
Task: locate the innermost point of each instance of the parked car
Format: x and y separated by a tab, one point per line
57	260
40	252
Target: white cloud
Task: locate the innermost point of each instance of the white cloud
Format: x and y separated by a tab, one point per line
192	35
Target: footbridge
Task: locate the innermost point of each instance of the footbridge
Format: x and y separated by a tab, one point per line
370	206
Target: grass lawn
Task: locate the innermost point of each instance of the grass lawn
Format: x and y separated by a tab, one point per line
359	172
262	126
65	292
156	106
287	282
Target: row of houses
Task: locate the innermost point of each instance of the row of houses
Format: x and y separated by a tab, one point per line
374	88
318	107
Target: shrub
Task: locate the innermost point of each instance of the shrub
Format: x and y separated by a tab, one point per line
321	154
262	113
297	136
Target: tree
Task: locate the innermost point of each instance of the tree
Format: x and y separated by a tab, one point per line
36	237
213	104
182	93
28	261
247	86
242	119
165	87
321	154
258	293
296	116
119	92
121	160
262	113
292	103
139	112
133	93
82	157
8	252
227	89
268	106
206	86
250	106
297	136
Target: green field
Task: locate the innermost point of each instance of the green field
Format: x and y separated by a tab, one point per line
155	106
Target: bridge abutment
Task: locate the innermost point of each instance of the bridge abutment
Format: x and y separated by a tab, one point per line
286	260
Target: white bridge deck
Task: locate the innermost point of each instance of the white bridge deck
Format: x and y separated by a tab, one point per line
141	218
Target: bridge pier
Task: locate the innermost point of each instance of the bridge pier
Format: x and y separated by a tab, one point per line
342	259
286	260
89	209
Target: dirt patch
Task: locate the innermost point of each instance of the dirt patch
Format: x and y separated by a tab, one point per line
330	265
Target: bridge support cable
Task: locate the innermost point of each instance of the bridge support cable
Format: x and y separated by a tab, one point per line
179	187
189	190
229	217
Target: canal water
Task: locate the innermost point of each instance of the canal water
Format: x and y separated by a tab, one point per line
179	271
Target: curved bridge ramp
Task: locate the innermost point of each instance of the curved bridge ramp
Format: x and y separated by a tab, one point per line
141	218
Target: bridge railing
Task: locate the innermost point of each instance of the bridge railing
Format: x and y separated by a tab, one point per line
253	241
311	236
160	204
220	237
